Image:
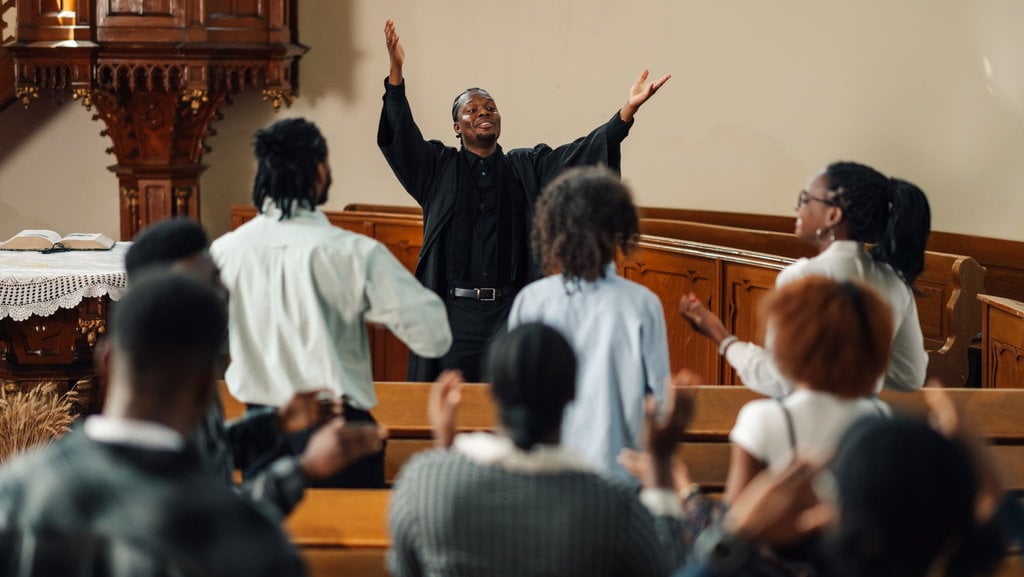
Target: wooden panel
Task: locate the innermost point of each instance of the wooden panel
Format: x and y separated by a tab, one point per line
385	208
744	289
782	244
140	21
52	20
403	239
402	409
670	275
1002	342
355	518
340	562
398	453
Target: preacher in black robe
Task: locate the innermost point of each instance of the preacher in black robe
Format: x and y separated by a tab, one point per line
478	203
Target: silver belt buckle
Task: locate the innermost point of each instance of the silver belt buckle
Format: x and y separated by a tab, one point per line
480	292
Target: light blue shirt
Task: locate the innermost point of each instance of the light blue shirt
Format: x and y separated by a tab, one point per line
617	328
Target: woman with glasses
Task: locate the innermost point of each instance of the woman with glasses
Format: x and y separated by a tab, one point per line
868	228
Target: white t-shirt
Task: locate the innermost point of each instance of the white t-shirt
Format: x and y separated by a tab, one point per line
819	420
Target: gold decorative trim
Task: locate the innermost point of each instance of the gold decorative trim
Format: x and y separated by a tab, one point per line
181	196
278	96
195	99
85	95
27	94
91	329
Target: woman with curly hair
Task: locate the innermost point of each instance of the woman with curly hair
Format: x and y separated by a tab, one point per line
615	326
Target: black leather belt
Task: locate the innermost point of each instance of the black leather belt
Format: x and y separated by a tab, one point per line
482	294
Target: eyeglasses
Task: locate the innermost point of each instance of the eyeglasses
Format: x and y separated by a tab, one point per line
805	197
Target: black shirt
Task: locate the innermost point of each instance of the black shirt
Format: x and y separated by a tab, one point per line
482	270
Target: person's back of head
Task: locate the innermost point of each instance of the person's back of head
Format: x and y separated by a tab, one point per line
582	217
890	213
165	334
830	336
532	371
906	501
289	154
163	244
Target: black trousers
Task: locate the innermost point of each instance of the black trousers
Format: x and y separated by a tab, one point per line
366	473
475	324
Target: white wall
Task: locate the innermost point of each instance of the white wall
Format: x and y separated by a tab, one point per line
763	95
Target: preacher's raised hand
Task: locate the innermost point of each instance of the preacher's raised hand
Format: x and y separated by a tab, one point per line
639	93
395	52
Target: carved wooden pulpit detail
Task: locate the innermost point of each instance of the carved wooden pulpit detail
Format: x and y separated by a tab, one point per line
157	73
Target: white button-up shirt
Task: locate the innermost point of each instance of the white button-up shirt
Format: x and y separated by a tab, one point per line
302	292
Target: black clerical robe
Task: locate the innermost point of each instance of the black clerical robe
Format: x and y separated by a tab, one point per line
427	171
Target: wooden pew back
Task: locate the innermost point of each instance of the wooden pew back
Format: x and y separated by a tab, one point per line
731	268
946	291
402	409
345	531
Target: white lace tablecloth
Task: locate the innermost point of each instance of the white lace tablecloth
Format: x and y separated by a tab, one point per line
33	283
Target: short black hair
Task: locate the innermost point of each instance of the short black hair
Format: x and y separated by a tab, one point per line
459	100
169	324
532	371
287	153
582	217
163	243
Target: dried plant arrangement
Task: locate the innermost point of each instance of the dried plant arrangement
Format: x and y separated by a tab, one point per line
35	417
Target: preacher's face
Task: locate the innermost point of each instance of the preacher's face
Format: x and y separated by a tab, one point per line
478	121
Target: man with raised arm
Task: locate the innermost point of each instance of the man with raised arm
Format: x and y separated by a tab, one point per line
478	203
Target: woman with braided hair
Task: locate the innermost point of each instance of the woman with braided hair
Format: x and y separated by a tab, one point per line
867	227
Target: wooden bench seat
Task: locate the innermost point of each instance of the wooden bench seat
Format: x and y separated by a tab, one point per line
402	409
344	532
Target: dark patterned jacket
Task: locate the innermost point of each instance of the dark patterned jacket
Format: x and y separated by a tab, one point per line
155	499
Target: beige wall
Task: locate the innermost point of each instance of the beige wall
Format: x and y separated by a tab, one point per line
763	95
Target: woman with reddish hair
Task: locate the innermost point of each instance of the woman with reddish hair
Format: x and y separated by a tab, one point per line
832	342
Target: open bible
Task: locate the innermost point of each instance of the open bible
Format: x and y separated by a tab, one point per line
50	241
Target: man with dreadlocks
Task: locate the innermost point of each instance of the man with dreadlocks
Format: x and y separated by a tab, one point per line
303	290
477	204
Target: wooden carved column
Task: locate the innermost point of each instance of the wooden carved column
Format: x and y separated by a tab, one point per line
157	72
159	140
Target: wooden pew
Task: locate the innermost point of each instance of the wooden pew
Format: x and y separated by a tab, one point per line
343	532
402	409
731	268
1002	342
946	291
1002	259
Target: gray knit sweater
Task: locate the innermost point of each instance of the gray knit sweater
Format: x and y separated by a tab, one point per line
454	516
